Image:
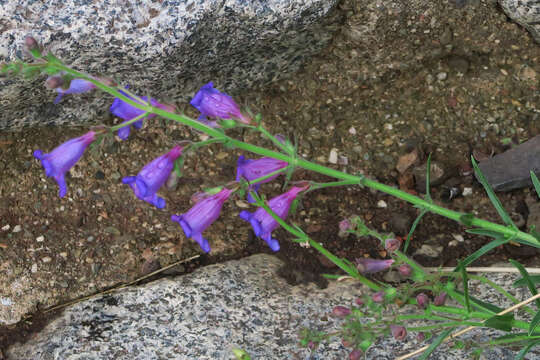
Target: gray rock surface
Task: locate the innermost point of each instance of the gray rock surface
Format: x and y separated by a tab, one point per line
511	169
204	314
526	13
165	48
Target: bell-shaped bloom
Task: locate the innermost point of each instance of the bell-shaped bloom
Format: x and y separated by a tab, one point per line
215	104
126	111
422	300
202	215
76	86
440	299
63	157
263	223
398	332
369	266
251	169
153	176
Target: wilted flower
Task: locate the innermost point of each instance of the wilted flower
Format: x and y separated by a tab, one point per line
439	299
420	337
398	332
341	311
126	111
153	176
356	354
202	215
345	225
369	266
422	300
359	301
263	223
76	86
214	104
251	169
392	244
378	297
405	269
63	157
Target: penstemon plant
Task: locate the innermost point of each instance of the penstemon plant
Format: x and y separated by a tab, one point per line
372	315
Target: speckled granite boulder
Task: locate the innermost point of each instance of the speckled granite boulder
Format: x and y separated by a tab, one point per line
166	48
526	13
204	314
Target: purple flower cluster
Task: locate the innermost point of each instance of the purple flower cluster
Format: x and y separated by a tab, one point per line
145	185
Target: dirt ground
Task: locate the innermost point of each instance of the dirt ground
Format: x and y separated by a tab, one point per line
469	99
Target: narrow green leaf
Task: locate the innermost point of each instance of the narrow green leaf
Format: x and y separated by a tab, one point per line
483	250
529	282
484	232
522	282
178	166
500	322
535	182
466	219
436	342
465	279
491	194
413	227
526	349
479	304
428	178
534	323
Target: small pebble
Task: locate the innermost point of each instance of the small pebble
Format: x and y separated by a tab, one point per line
458	237
442	76
467	191
352	131
5	227
333	158
17	228
382	204
34	268
40	238
46	259
6	301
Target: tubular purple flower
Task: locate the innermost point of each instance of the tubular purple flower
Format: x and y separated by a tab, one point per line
126	111
398	332
369	266
422	300
153	176
76	86
214	104
251	169
202	215
341	311
263	223
62	158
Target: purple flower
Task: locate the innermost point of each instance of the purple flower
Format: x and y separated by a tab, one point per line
263	223
356	354
422	300
126	111
212	103
76	86
398	332
369	266
440	299
63	157
202	215
251	169
153	176
341	311
378	297
392	244
405	269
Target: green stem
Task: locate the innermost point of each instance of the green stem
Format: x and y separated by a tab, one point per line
444	325
129	122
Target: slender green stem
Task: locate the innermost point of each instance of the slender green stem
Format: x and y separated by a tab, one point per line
272	138
317	186
444	325
129	122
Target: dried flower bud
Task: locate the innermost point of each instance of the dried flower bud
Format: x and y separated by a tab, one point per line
341	311
359	301
356	354
405	270
311	345
398	332
422	300
346	343
420	337
54	82
31	43
439	299
378	297
392	244
345	225
369	266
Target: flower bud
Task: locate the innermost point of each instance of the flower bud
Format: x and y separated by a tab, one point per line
378	297
439	299
398	332
359	301
345	225
341	311
54	82
405	269
392	244
32	46
420	337
356	354
422	300
311	345
346	343
369	266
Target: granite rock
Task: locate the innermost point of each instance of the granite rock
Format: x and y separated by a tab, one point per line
526	13
165	48
203	315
